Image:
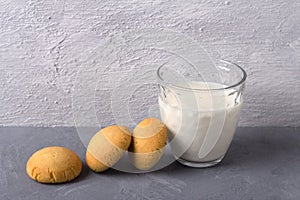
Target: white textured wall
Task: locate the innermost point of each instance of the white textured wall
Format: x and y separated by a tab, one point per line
43	44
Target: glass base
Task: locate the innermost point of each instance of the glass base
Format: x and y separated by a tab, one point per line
199	164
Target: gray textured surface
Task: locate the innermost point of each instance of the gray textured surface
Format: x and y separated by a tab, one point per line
262	163
43	44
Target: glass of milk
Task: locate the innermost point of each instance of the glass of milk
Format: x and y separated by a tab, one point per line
201	108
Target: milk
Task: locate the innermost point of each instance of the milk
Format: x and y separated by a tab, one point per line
201	123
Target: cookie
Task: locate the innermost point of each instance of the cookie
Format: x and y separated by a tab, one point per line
148	141
107	146
54	165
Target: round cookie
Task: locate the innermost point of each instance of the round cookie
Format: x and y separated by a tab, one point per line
107	146
148	141
54	165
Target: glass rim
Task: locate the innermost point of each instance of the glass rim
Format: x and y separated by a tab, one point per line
240	82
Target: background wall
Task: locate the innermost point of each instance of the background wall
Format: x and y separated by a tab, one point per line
44	44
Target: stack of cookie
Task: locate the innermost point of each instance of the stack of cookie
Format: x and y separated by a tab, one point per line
59	164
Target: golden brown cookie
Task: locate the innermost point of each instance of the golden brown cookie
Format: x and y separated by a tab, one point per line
54	165
148	141
107	146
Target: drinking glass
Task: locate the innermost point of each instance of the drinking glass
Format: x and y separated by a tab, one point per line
200	107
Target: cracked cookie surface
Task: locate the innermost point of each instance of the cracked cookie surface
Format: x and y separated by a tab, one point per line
54	165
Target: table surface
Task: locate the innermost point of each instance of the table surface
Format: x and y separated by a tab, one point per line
262	163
